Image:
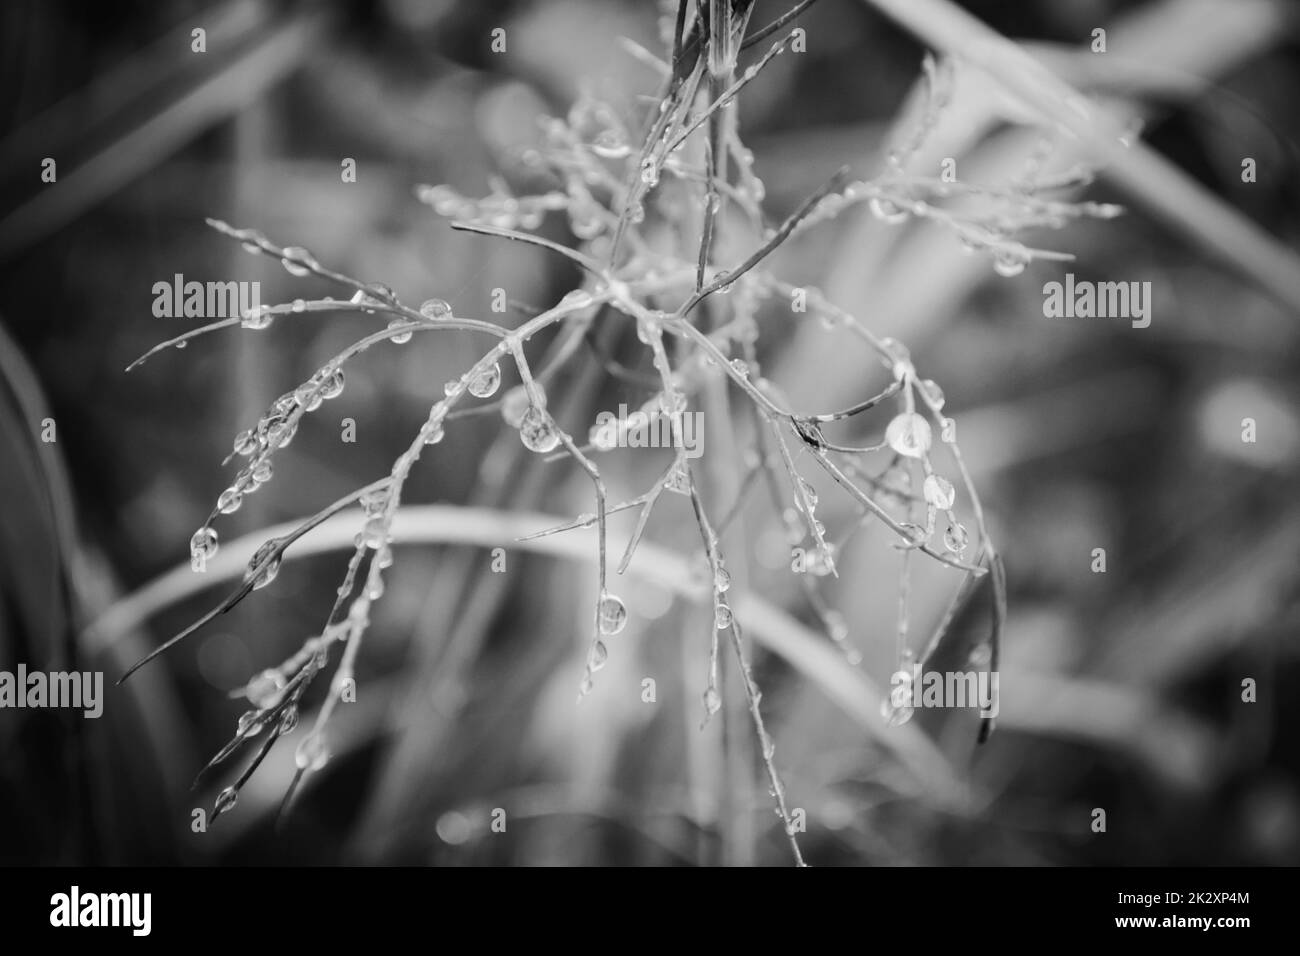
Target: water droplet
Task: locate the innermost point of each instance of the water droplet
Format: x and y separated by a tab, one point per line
836	626
288	720
380	294
949	433
249	724
809	492
401	338
612	615
598	656
433	432
536	431
712	701
229	501
261	471
486	383
584	688
636	213
609	144
939	492
245	443
435	309
258	317
909	434
739	366
225	801
262	567
331	385
182	343
299	305
297	260
722	616
203	545
263	691
956	537
578	298
311	753
374	502
821	561
886	211
1009	263
721	580
650	173
308	395
931	393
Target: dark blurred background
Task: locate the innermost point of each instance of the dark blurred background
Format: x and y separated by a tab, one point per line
1121	690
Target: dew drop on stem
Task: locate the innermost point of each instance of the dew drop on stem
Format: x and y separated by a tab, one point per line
909	434
249	724
264	565
939	492
399	338
956	537
886	211
611	615
721	580
225	801
712	701
245	443
435	309
1009	263
203	545
257	318
486	382
537	432
297	261
263	690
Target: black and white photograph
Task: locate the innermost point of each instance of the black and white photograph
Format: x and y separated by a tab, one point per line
730	434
